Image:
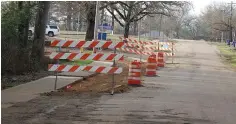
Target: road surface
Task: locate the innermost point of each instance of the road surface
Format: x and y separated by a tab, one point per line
197	89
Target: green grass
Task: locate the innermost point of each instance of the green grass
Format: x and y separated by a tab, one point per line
76	62
228	53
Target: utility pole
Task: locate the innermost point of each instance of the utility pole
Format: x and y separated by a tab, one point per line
96	21
96	24
160	29
230	28
150	33
230	21
222	33
139	26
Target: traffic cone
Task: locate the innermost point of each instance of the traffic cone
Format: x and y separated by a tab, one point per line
151	66
134	77
160	59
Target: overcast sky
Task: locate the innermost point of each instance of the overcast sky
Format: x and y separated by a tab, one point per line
200	5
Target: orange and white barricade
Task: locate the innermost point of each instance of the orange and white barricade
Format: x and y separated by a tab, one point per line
85	56
136	51
160	59
86	44
77	68
151	66
134	77
169	54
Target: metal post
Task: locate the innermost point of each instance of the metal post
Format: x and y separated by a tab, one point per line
160	30
58	62
113	75
55	84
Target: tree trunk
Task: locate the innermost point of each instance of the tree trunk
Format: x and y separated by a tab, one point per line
23	61
79	22
177	34
113	21
80	25
230	33
91	13
69	15
68	20
74	24
135	27
126	34
26	25
39	35
90	30
21	24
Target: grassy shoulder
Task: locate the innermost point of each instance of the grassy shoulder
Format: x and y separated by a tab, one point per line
171	40
228	53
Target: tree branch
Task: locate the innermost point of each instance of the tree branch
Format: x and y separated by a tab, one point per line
119	13
123	3
115	17
220	29
124	10
108	4
134	20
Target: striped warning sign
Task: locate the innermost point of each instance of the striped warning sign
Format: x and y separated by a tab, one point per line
76	68
169	54
88	44
130	50
86	56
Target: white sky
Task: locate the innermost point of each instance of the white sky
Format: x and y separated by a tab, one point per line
199	5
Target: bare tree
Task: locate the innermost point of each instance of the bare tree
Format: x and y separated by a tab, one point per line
132	11
71	10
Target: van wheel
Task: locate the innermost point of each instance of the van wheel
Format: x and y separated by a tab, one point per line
50	34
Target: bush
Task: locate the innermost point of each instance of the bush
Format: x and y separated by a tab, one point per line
15	50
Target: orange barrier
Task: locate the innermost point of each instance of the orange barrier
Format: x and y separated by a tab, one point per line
134	77
160	59
151	66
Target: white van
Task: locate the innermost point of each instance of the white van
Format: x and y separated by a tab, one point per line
51	30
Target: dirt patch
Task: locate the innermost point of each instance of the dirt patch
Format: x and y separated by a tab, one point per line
103	82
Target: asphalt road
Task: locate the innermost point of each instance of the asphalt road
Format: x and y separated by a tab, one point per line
197	89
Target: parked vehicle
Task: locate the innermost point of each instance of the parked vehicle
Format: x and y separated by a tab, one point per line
51	30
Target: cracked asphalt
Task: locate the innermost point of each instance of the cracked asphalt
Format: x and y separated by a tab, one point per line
197	89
